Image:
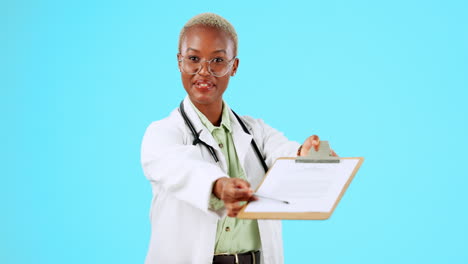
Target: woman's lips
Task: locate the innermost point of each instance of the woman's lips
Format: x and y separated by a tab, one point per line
203	85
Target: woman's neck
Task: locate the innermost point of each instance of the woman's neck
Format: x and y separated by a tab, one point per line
212	111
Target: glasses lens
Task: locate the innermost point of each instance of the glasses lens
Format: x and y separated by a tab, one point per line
190	66
219	67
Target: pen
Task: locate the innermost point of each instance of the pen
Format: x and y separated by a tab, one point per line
265	197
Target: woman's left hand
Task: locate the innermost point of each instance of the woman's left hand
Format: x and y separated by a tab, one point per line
312	142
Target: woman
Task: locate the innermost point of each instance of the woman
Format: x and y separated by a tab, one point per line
202	163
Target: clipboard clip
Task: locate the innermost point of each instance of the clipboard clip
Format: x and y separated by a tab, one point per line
323	155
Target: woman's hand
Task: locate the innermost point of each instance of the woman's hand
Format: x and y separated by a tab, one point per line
312	142
233	191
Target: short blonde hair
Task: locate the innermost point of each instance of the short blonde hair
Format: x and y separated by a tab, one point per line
210	20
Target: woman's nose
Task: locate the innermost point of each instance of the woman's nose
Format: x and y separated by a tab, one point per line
204	70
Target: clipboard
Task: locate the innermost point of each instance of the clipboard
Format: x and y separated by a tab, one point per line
306	215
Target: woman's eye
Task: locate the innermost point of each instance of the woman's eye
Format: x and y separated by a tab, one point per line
193	58
217	60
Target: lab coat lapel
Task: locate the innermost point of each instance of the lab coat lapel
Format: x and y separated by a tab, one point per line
241	139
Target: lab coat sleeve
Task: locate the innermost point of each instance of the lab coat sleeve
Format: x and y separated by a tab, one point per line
275	144
176	167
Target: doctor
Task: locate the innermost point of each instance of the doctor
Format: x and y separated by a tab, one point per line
203	161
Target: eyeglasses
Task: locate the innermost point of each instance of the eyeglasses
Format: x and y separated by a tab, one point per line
217	67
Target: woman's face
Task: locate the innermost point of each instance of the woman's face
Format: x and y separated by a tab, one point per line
206	43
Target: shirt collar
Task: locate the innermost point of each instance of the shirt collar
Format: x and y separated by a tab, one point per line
225	119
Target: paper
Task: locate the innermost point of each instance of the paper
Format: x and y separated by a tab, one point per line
308	187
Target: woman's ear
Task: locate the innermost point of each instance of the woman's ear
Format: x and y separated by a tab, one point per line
234	67
179	61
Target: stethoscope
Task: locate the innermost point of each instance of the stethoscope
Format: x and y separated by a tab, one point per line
196	136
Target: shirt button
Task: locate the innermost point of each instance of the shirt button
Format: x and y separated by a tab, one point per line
228	229
221	145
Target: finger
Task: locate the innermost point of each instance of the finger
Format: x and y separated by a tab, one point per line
253	198
233	194
239	183
235	209
237	190
309	143
232	213
242	194
315	142
243	186
332	153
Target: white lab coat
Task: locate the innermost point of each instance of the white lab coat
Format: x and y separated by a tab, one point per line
182	177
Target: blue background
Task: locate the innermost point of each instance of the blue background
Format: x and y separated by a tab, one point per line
386	80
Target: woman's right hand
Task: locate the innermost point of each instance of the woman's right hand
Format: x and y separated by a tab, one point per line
233	191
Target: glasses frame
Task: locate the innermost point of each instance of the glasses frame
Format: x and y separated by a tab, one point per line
201	62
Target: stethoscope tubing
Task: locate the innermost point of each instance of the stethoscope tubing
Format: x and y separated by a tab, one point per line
196	136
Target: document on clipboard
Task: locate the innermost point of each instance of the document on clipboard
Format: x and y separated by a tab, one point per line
308	190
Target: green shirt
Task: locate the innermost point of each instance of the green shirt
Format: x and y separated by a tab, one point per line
233	235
